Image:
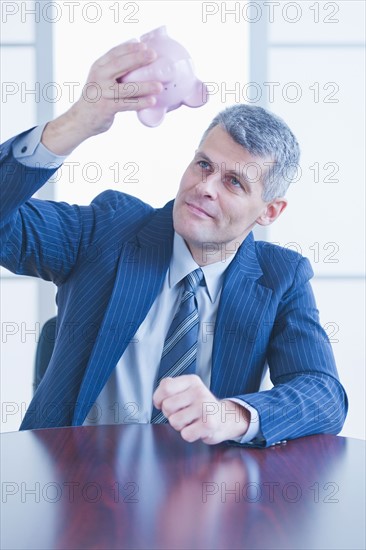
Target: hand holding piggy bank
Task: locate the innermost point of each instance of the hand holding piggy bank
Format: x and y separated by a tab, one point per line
173	68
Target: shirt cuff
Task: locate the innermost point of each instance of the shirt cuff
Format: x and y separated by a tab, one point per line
253	432
28	150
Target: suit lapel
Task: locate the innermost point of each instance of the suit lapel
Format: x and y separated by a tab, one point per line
243	304
141	270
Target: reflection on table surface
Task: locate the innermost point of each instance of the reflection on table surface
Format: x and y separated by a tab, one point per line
142	486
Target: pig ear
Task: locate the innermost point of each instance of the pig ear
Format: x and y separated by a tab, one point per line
151	117
198	95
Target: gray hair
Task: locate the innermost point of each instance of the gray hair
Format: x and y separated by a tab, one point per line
263	134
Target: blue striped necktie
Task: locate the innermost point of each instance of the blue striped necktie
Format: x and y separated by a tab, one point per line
180	346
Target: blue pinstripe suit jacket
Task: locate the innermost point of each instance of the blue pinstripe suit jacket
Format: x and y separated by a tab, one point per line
109	260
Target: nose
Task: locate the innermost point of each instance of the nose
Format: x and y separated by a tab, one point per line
208	185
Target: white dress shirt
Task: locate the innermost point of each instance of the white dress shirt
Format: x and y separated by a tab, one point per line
29	150
127	394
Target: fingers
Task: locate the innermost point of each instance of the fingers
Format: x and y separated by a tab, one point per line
122	60
193	432
121	49
111	67
181	400
169	387
196	413
172	405
132	90
137	104
119	66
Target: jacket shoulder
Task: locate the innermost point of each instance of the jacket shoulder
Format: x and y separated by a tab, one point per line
116	215
282	266
116	202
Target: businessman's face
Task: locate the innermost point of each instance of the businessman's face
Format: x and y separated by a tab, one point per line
220	197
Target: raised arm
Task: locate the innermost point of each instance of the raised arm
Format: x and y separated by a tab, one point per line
42	238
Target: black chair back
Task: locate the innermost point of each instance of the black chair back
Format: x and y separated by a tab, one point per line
44	350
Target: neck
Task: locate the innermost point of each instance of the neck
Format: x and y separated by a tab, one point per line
210	253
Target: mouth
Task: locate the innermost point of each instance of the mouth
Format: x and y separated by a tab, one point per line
198	210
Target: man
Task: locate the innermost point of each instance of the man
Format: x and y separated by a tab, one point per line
180	312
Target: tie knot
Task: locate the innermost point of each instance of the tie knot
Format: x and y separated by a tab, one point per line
193	280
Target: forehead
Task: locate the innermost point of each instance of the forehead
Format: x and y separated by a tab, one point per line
220	147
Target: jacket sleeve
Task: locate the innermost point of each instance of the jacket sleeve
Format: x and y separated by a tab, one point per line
307	397
45	238
38	238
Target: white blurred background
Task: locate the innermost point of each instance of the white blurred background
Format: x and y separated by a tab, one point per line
303	60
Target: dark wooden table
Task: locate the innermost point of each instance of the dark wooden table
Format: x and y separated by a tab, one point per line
142	486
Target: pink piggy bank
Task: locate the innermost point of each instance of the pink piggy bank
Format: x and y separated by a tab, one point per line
173	68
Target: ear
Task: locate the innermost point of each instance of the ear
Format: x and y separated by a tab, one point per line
272	210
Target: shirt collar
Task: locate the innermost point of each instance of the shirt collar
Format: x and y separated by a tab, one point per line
182	263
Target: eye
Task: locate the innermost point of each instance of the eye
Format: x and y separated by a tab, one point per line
204	164
233	181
